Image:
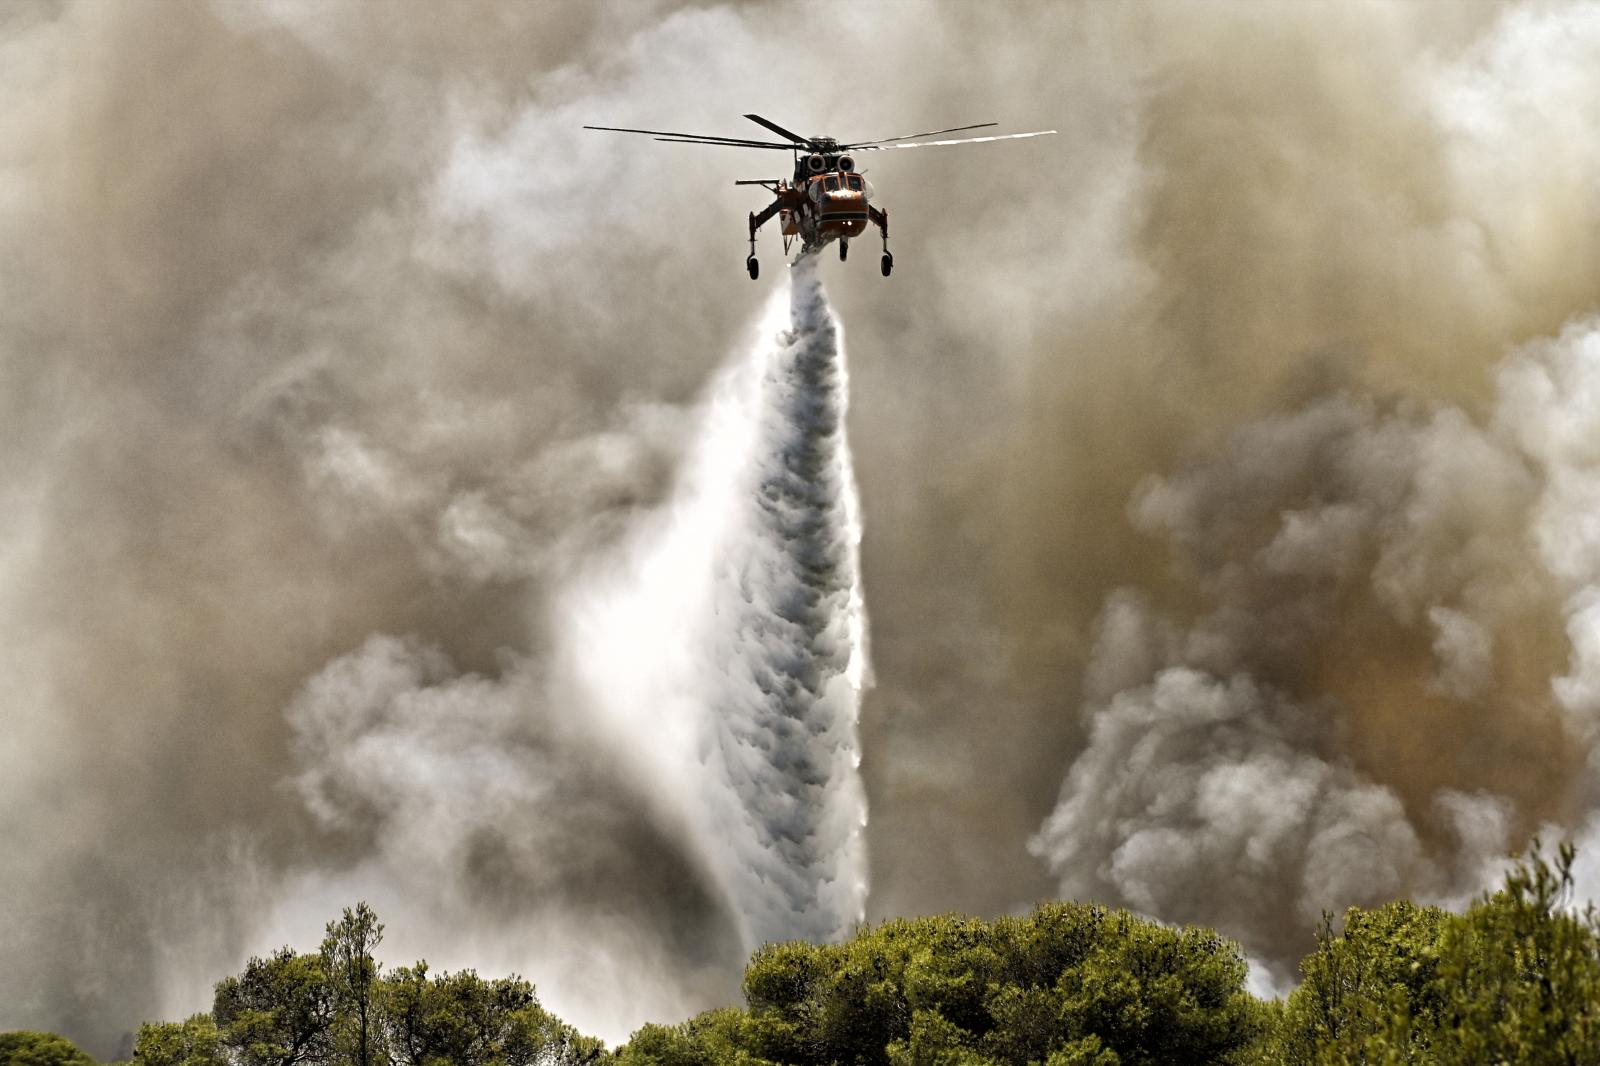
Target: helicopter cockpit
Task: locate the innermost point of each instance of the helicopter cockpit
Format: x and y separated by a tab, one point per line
844	192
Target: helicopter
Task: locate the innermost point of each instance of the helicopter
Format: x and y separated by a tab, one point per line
826	198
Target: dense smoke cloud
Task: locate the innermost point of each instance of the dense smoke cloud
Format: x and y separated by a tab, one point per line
1362	706
467	811
1349	681
330	348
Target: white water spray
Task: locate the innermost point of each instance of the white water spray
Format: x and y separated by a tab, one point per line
726	647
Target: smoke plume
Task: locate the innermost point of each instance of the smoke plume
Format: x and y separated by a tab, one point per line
494	833
1354	675
708	801
1351	696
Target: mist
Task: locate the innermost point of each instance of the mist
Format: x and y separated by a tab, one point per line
1224	468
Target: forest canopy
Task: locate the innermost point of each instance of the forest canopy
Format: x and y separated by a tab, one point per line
1515	979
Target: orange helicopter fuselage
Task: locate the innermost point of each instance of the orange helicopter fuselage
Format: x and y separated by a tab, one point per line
825	207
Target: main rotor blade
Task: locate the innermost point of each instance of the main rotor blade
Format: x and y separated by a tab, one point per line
959	140
779	130
709	138
727	144
914	136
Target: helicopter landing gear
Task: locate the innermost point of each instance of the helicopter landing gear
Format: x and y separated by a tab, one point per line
881	220
844	249
750	264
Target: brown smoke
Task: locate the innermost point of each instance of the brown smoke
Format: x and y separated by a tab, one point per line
1369	632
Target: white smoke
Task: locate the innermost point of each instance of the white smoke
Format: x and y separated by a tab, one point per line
705	702
1369	586
727	644
466	795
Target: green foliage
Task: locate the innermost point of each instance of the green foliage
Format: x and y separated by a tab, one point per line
338	1008
1071	983
1519	975
23	1047
1367	988
461	1019
279	1012
196	1042
353	977
1086	1052
1515	980
933	1040
717	1036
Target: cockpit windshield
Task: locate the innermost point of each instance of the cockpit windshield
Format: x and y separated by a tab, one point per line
831	184
854	181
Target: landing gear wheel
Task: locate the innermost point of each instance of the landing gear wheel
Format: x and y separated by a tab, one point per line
844	250
755	268
887	263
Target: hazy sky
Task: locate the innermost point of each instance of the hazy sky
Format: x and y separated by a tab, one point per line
1227	463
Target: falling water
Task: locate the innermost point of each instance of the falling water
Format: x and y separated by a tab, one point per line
726	645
